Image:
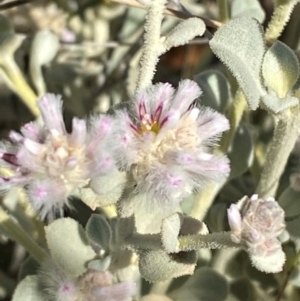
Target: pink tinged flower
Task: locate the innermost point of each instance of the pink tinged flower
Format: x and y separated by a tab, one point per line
31	130
46	195
256	223
235	221
50	162
50	106
116	292
166	141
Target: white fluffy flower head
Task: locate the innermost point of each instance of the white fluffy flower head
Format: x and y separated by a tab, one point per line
50	162
167	140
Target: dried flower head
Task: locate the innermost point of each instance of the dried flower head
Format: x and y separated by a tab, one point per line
166	142
50	162
256	223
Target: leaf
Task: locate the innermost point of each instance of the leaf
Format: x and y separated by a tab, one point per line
216	89
280	69
242	51
169	232
159	266
289	200
99	232
184	32
69	246
204	285
28	290
44	48
276	104
241	152
249	8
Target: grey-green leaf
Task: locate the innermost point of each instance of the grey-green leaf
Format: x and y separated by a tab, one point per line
240	45
98	231
289	200
204	285
216	89
69	245
241	152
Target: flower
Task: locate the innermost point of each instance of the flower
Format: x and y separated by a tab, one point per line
50	162
91	286
256	223
166	142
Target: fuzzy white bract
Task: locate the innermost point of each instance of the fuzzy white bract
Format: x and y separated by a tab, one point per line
166	142
256	223
50	162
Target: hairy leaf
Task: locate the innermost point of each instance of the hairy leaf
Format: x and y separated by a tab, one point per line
242	50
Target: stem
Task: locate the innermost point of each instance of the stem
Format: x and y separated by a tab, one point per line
235	115
283	141
204	200
223	11
20	85
38	79
281	16
152	47
144	241
160	288
16	233
209	241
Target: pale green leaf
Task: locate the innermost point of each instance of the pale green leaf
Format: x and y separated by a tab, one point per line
184	32
169	232
240	45
28	290
159	266
276	104
249	8
280	69
69	245
44	47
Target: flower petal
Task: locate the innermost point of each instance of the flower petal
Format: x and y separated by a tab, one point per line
51	109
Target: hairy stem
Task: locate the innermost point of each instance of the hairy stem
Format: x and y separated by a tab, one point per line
16	233
144	241
210	241
152	45
281	16
283	141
